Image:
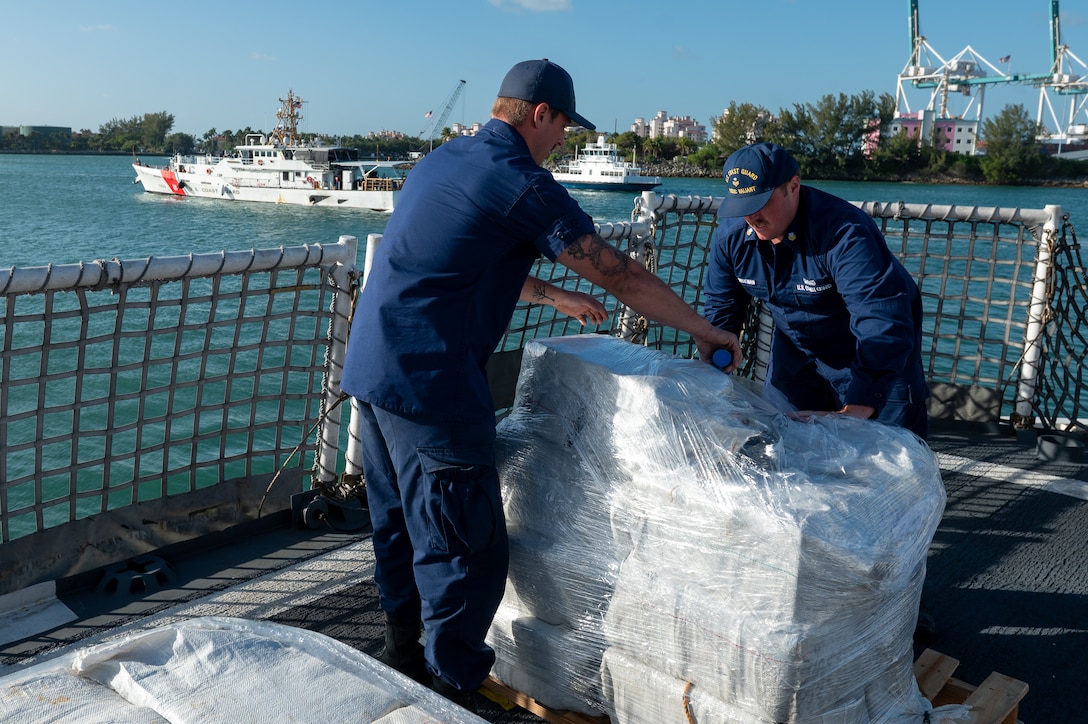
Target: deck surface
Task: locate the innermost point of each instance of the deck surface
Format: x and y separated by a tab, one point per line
1007	580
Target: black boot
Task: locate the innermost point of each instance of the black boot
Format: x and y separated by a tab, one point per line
403	651
463	699
925	630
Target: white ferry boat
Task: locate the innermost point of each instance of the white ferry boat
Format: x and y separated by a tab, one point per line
281	170
599	166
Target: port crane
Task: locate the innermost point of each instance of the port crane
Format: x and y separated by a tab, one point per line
968	74
1064	81
440	121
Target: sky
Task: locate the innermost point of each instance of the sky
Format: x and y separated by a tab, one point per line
366	66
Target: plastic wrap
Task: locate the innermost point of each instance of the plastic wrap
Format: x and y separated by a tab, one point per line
226	670
559	663
676	533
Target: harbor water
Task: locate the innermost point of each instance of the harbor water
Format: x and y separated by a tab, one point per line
68	209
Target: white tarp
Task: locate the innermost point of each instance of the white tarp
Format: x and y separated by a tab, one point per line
217	669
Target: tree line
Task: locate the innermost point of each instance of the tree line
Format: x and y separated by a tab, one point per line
831	139
847	137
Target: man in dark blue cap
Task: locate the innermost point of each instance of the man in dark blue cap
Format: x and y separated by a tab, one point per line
474	216
847	315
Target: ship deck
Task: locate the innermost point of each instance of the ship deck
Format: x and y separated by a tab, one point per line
1007	579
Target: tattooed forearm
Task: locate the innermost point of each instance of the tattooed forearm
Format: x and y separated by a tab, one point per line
605	258
540	292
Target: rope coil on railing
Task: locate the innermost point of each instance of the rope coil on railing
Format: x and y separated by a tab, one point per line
1062	385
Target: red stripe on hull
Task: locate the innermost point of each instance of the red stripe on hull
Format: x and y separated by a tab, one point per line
171	180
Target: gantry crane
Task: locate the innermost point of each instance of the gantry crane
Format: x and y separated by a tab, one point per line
968	74
1063	82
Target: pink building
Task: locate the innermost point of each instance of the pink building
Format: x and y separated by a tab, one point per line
956	135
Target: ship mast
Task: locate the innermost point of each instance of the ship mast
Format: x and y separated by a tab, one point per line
287	117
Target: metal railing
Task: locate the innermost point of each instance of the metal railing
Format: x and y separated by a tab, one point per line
1003	290
123	382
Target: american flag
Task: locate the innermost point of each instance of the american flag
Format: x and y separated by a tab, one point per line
427	114
1004	59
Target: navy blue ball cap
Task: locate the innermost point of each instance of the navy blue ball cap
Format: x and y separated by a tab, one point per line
542	81
752	173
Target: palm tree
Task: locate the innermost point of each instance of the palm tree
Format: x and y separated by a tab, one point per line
652	146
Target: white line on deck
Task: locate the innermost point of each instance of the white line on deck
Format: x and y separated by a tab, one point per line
1017	476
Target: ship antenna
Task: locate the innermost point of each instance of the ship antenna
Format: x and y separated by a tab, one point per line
287	118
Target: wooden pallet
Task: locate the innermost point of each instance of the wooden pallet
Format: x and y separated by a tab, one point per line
995	701
503	695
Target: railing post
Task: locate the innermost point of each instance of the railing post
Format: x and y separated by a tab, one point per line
328	442
632	326
354	455
1033	335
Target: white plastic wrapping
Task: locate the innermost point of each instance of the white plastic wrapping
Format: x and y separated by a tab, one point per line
225	670
559	663
679	531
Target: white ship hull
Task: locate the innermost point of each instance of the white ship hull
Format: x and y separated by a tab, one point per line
616	183
281	170
230	180
599	166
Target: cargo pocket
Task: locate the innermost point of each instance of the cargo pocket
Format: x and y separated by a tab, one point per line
463	506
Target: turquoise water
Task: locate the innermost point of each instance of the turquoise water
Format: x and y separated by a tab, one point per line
67	209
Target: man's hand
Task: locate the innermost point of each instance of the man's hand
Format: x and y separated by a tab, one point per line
582	307
719	339
863	412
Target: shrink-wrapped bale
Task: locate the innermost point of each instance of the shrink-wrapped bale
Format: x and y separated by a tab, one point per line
558	663
569	555
639	692
662	510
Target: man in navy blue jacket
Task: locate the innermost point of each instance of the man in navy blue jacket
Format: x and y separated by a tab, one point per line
455	258
847	315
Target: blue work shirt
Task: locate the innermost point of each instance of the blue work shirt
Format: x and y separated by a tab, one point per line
843	306
474	216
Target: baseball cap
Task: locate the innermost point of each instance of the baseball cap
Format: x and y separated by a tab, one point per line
542	81
752	173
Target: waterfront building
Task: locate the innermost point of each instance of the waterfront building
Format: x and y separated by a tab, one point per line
665	126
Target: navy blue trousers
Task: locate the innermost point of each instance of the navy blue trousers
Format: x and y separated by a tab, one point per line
440	541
